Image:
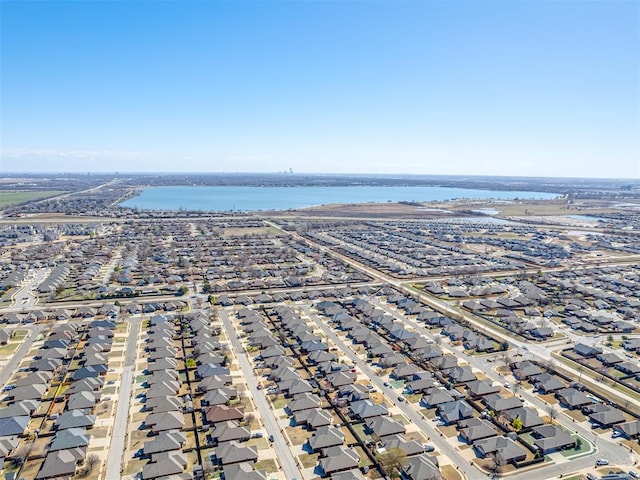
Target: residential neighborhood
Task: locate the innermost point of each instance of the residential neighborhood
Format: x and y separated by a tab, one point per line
282	347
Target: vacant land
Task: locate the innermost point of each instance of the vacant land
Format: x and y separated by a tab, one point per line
13	198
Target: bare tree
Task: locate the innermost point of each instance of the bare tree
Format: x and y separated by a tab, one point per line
19	455
552	411
91	461
248	418
516	387
393	461
207	466
506	359
495	465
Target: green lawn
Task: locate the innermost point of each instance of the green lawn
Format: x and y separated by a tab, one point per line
586	447
279	402
8	349
401	419
18	335
414	397
13	198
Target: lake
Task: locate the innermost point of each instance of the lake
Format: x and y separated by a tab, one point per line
235	198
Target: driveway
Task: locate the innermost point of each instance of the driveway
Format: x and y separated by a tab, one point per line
283	453
120	422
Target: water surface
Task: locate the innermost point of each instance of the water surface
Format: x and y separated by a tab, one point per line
235	198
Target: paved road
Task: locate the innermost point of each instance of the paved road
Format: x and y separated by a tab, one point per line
12	365
24	298
425	426
110	267
612	451
540	350
77	192
120	423
283	453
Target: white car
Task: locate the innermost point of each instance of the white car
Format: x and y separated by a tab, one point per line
602	461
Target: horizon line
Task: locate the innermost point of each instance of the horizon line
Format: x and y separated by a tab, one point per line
286	173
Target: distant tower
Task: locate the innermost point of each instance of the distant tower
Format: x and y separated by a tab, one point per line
291	171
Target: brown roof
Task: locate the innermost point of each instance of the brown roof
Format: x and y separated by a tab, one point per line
222	413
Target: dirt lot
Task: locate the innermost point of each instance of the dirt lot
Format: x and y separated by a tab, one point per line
268	465
450	473
367	210
297	435
528	208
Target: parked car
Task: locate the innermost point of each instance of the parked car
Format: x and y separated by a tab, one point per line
634	474
602	461
428	448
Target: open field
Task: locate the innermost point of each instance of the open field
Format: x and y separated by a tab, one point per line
230	232
525	208
13	198
365	210
516	208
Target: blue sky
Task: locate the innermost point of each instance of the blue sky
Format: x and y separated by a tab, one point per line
541	88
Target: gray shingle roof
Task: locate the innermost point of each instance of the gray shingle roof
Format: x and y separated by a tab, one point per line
13	425
70	438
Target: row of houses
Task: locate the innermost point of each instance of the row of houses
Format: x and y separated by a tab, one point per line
105	311
405	249
57	403
581	302
571	395
478	409
145	264
163	403
331	395
203	392
620	369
